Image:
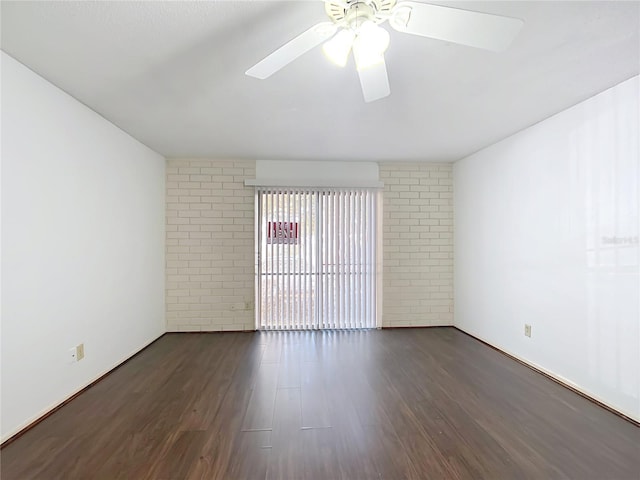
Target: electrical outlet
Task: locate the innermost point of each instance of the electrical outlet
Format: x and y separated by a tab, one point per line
527	330
80	352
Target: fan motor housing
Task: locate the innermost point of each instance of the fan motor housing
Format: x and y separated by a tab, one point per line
374	10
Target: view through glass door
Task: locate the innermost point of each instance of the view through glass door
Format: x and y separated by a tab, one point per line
316	258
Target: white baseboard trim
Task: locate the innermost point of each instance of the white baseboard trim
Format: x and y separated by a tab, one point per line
560	379
35	419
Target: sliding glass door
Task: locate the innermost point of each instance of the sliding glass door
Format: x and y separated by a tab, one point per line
317	253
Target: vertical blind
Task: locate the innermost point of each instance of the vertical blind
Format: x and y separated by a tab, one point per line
316	258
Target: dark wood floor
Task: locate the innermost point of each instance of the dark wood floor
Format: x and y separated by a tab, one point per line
391	404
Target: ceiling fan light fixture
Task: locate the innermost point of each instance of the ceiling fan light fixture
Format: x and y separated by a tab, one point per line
357	23
338	48
369	46
373	37
365	57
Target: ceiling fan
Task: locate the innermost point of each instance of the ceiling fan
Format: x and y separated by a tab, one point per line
355	26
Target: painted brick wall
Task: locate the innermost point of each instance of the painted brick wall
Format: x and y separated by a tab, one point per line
417	244
210	245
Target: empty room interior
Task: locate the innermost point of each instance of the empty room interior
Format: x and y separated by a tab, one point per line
341	239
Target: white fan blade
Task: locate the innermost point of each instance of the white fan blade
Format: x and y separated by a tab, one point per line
374	82
475	29
292	50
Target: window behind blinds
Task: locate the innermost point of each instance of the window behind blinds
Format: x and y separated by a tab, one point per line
316	258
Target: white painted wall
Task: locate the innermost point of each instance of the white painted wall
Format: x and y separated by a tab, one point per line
82	245
546	233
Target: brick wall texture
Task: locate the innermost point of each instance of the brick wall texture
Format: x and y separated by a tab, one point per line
417	244
210	245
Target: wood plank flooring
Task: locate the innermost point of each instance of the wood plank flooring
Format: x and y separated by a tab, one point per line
391	404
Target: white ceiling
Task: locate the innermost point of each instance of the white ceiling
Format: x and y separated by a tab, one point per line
172	75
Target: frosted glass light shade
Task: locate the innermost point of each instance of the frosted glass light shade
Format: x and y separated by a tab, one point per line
337	49
374	37
364	57
369	46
